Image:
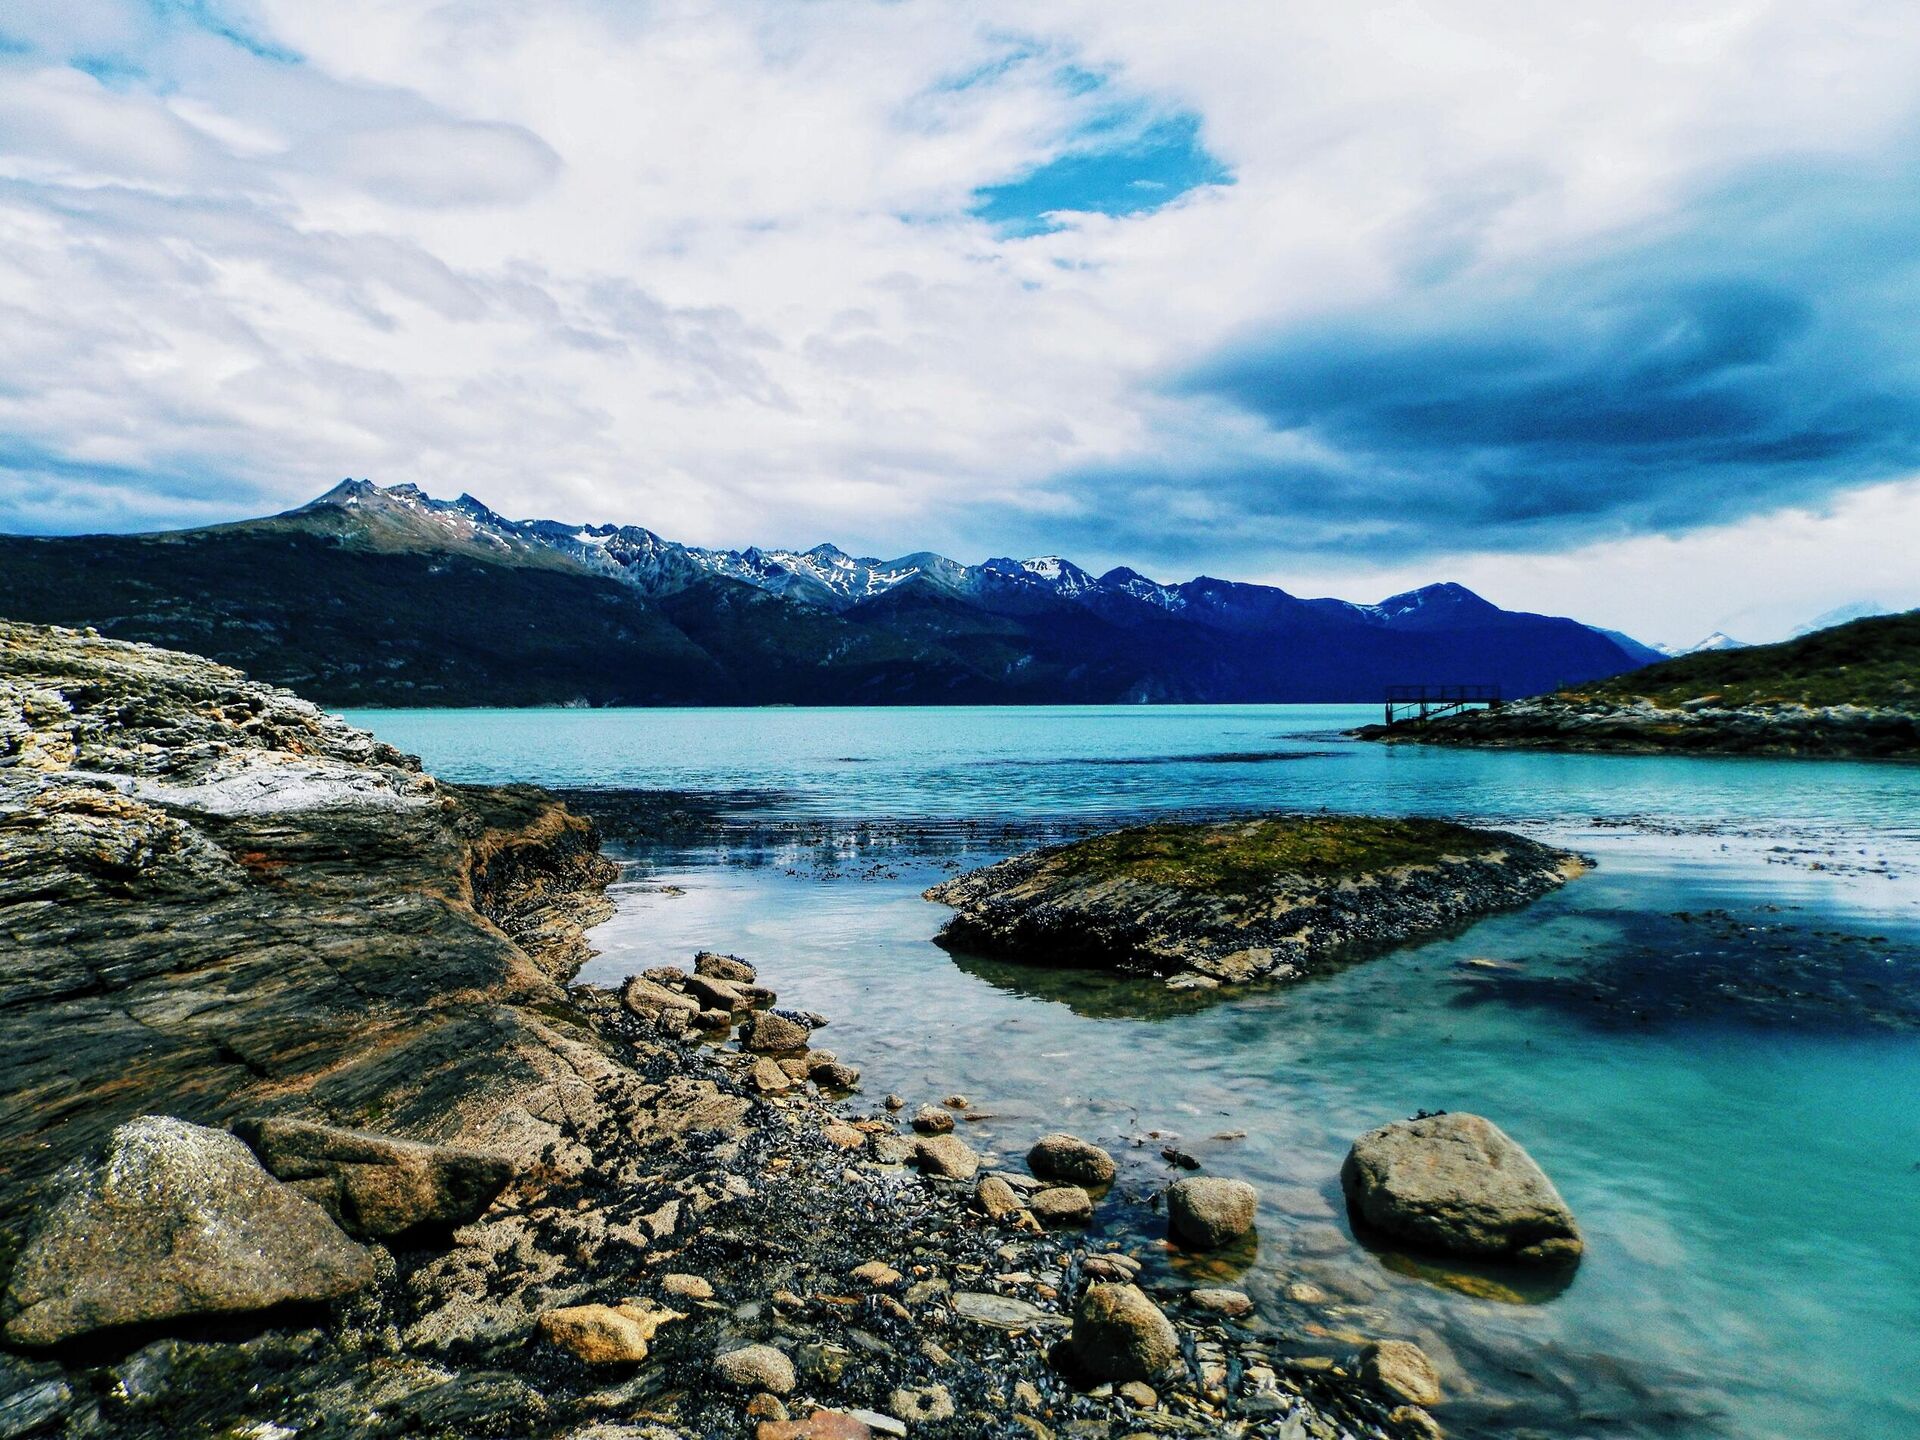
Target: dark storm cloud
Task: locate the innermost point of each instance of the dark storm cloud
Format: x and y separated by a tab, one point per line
1762	352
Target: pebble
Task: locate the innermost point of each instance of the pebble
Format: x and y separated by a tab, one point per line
1231	1303
1138	1394
895	1102
820	1425
755	1367
843	1137
932	1120
947	1156
1067	1157
686	1287
924	1405
877	1274
995	1197
606	1334
1062	1205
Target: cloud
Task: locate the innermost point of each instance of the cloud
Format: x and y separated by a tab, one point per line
914	274
1755	354
435	163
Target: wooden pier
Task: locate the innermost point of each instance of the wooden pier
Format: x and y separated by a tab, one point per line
1422	702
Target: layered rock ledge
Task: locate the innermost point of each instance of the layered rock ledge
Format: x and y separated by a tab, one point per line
1224	903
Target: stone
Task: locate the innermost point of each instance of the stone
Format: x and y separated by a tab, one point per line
715	1020
724	967
649	998
714	994
1138	1394
378	1186
843	1137
932	1120
1119	1334
946	1156
1069	1158
605	1334
1206	1212
922	1405
1412	1421
766	1407
836	1076
771	1033
1401	1370
995	1197
1305	1292
1111	1267
755	1367
876	1274
1458	1184
176	1221
956	1102
686	1287
1002	1312
1062	1205
769	1078
1231	1303
820	1425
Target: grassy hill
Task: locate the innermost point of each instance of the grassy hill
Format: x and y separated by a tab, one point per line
1871	662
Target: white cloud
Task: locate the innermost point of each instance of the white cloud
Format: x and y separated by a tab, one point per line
707	266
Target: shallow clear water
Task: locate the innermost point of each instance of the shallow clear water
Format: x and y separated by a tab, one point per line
1728	1100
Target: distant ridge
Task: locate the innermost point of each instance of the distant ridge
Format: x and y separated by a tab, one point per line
371	595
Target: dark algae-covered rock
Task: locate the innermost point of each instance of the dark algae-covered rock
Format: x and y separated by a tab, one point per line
1457	1184
1232	901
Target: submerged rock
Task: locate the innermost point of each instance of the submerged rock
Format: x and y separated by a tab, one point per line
1206	1212
1240	900
1119	1334
1402	1370
377	1185
175	1221
1061	1205
1068	1157
1458	1184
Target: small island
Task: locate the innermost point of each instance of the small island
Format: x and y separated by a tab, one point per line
1851	691
1224	903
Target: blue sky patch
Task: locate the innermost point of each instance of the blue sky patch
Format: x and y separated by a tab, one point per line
1117	166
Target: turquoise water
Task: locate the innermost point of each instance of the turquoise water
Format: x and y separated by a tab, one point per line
1727	1099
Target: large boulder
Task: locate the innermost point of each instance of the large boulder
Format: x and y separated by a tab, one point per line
1206	1212
1069	1158
1458	1184
175	1221
1119	1334
377	1185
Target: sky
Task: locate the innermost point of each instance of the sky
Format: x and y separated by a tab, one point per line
1607	310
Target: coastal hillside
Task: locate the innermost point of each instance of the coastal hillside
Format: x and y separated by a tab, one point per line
371	596
1852	689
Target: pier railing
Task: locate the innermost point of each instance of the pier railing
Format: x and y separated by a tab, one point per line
1423	702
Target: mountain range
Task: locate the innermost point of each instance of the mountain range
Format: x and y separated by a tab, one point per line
387	596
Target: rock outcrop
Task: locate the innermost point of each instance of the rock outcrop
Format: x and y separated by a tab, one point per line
376	1185
175	1221
1458	1184
220	901
1229	902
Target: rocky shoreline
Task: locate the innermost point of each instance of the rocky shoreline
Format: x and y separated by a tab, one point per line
1228	902
1642	726
292	1022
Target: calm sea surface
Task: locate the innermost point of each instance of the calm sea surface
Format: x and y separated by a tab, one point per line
1711	1042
